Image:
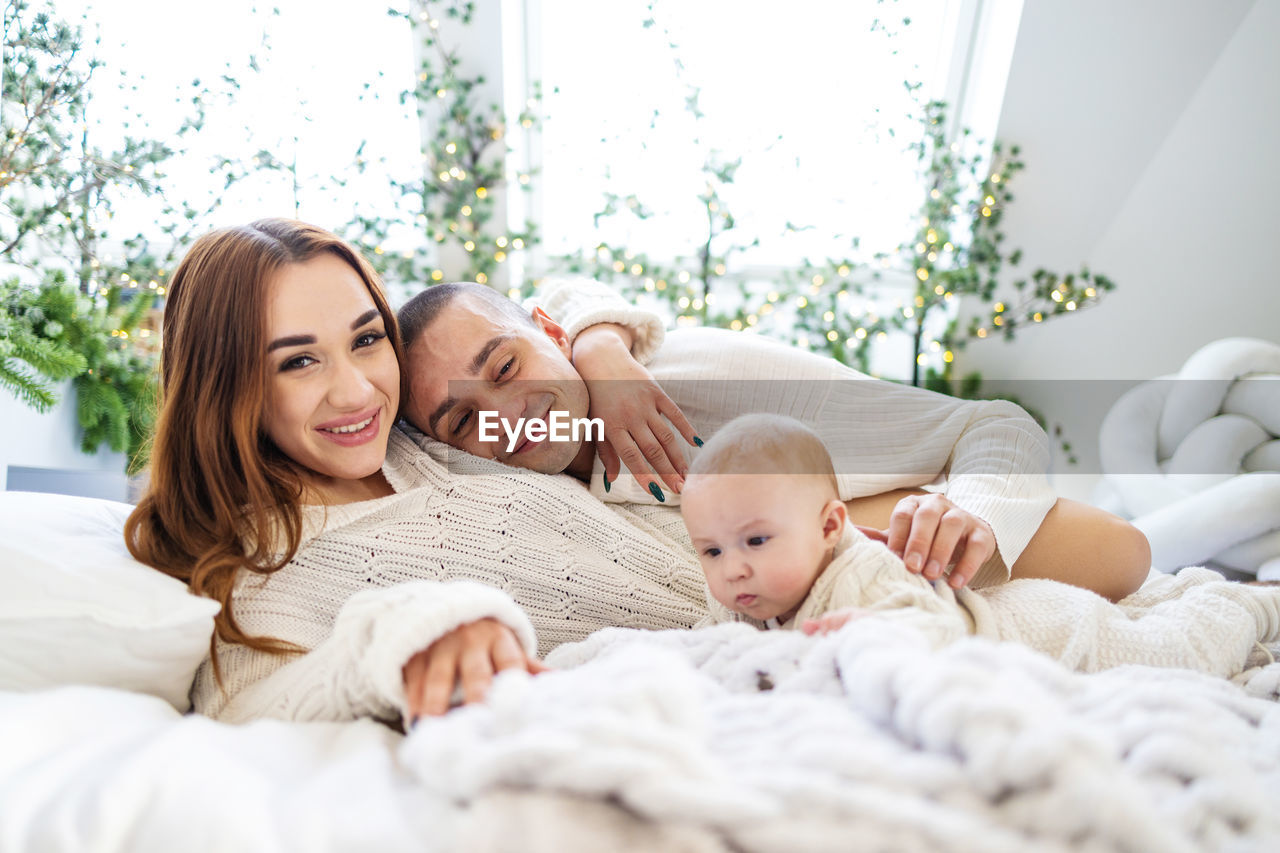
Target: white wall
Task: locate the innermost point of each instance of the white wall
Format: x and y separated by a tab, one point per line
1149	131
52	440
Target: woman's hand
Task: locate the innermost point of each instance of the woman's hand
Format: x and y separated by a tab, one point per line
470	655
632	406
930	533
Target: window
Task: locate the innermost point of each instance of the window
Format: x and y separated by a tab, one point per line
318	85
809	95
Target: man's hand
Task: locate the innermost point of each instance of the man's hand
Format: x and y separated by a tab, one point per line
632	406
470	655
930	533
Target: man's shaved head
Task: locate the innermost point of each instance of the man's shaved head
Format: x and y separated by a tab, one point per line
417	315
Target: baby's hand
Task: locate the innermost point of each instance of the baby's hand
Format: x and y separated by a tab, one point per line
828	622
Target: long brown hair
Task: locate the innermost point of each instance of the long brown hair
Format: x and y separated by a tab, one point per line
221	496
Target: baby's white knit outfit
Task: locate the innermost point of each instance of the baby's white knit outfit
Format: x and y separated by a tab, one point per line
1192	620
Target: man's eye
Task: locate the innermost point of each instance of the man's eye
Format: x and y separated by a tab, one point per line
757	541
506	368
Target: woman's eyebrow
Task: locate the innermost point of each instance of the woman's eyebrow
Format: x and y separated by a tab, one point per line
303	340
291	341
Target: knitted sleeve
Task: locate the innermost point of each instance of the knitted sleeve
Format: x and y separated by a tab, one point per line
868	576
577	303
356	671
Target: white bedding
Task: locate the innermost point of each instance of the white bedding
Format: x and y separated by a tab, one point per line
666	741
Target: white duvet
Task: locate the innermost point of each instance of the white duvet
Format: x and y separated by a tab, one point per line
721	739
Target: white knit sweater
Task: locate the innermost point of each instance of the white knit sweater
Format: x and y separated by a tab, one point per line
377	581
1194	620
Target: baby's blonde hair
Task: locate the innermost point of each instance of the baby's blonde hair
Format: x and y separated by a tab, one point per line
766	444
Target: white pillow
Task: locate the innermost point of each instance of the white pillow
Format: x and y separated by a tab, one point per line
76	608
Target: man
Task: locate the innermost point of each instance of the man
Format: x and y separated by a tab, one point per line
473	354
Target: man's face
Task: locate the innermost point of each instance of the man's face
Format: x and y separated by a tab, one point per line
473	359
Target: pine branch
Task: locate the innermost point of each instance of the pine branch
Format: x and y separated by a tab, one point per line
27	388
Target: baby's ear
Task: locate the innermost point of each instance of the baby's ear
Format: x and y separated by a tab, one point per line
834	516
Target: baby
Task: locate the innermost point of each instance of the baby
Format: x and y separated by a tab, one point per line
773	538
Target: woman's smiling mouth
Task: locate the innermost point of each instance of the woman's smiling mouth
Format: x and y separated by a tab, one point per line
354	432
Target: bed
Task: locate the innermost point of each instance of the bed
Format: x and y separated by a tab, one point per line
720	739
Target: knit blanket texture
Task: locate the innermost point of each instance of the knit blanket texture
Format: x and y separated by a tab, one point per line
736	739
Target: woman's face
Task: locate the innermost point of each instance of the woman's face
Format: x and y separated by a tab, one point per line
334	383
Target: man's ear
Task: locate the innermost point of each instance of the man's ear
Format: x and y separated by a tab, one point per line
553	330
834	516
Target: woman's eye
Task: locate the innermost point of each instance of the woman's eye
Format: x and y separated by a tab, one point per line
461	423
757	541
368	339
506	368
297	363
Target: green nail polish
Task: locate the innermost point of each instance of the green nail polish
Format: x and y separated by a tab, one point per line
697	441
657	493
606	485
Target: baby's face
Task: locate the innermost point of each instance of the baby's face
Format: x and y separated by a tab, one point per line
759	538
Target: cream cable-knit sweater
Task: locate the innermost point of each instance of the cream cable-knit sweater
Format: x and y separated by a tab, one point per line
463	538
1194	620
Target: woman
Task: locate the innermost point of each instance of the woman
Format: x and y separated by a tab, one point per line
280	385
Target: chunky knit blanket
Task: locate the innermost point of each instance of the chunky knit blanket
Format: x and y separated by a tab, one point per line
868	740
724	739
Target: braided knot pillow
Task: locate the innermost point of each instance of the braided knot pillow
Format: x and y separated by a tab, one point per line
1194	459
